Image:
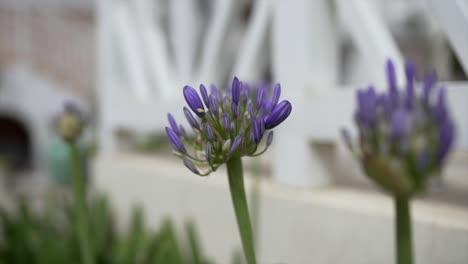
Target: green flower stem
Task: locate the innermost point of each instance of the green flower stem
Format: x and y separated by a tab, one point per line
239	201
403	231
80	205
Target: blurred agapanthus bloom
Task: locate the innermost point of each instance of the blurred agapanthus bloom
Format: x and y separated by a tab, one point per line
226	125
404	135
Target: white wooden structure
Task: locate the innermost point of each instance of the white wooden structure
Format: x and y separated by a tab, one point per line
148	50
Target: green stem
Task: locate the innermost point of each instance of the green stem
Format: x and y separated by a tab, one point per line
239	201
80	205
403	231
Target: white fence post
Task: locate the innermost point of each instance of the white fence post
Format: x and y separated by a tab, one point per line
304	55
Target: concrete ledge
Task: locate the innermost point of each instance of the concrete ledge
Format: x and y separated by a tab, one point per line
326	225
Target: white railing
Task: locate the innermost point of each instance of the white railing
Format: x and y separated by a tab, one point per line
142	68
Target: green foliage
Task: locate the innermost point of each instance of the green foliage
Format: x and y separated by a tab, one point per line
28	236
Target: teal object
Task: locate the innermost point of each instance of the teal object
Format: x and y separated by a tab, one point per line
60	161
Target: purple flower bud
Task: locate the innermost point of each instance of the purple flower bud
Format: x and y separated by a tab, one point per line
266	106
261	96
269	138
400	123
236	144
428	83
204	94
209	152
258	128
410	71
191	119
367	107
446	138
173	124
210	132
214	104
251	109
235	110
233	126
226	122
194	101
276	95
392	83
384	101
236	87
189	164
175	140
278	115
440	109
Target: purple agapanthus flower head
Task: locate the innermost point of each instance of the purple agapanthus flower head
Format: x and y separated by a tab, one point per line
405	133
226	125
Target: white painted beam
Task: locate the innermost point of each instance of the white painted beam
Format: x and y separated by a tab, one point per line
372	38
184	24
453	18
251	60
213	41
304	51
127	42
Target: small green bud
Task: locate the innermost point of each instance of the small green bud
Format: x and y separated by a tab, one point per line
70	124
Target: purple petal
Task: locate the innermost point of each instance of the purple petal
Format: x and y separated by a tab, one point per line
258	128
173	124
189	164
194	101
269	138
226	122
236	144
236	87
400	123
446	139
175	140
410	71
191	119
440	109
214	104
210	132
261	96
204	94
278	115
276	95
392	82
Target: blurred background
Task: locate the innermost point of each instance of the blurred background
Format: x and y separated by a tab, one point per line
125	62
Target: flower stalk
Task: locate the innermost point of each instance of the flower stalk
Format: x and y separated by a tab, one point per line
239	201
80	205
404	248
70	127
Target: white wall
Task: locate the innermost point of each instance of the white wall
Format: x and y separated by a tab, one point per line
325	225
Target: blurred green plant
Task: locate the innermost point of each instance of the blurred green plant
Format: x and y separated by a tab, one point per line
27	236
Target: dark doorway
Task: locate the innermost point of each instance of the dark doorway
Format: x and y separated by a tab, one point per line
15	144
